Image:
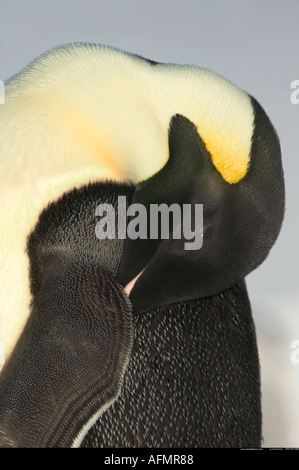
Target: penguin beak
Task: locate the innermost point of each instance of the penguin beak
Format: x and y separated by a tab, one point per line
128	288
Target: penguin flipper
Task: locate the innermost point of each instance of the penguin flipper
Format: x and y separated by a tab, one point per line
68	365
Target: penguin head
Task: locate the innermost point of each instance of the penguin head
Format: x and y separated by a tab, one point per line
241	220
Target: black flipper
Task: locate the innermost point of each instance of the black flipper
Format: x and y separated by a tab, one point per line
69	363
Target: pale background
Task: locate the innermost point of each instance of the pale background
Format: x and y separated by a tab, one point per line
253	43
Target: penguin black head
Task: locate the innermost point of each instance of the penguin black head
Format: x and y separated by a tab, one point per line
241	221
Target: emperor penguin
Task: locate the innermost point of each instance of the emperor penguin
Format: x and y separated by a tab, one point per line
131	342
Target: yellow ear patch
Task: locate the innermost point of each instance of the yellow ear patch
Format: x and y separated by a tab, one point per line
227	128
231	158
223	115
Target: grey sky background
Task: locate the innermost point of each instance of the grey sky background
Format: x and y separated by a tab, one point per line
254	44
